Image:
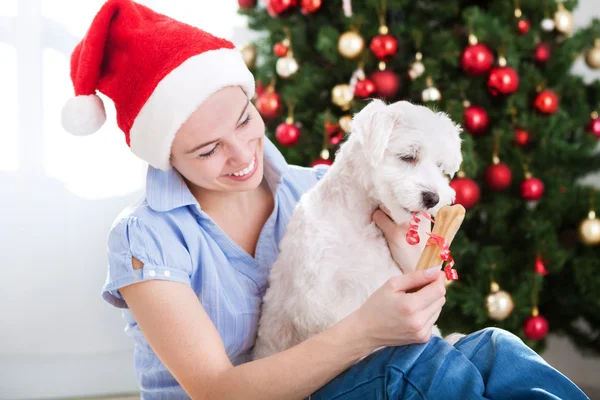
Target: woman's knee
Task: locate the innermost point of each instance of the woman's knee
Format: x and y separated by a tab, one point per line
498	334
496	337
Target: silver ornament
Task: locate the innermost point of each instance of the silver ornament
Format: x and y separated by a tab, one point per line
287	66
416	70
547	25
431	94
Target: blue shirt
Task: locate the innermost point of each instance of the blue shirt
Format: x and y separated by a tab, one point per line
176	241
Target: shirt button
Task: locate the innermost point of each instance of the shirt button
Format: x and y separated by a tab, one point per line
167	273
152	272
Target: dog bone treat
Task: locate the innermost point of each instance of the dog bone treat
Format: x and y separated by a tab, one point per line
447	223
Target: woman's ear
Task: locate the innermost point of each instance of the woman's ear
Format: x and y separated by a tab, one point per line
374	125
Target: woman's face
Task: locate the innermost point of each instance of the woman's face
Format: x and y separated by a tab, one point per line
220	147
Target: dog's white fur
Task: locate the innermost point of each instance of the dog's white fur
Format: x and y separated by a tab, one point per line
333	257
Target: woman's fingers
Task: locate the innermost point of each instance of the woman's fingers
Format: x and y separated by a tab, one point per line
415	281
432	314
429	293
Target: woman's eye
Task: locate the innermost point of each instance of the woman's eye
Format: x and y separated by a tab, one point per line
210	153
246	121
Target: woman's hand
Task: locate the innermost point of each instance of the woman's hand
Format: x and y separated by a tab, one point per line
406	255
403	310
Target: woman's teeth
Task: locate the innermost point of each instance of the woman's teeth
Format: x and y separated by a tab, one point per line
246	170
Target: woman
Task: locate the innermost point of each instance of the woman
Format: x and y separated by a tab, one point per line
189	264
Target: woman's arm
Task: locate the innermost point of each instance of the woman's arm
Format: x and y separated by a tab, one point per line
180	332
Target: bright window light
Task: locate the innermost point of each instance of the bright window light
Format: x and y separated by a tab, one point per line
9	138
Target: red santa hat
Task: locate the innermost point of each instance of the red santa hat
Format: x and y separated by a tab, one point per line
156	70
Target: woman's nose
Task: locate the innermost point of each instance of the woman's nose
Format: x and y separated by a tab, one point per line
241	154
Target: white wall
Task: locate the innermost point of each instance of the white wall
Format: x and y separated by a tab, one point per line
60	194
58	338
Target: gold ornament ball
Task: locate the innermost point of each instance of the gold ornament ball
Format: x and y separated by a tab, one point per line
286	66
341	95
589	230
592	57
499	303
249	55
346	123
350	44
563	20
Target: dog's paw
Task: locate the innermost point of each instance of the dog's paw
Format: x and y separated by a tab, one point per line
454	337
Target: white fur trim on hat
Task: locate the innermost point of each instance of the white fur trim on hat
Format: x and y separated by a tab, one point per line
83	115
178	95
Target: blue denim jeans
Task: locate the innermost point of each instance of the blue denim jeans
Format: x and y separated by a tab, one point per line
488	364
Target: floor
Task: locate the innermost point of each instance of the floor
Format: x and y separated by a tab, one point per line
591	393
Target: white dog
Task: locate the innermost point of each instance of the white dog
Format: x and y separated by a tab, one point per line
333	257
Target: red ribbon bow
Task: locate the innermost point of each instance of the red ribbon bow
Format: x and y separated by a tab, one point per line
412	237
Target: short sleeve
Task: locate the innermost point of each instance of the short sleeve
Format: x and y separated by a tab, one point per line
320	170
157	247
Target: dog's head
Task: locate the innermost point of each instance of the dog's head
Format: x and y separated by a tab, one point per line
410	154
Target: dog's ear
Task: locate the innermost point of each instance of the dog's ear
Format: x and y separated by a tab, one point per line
374	125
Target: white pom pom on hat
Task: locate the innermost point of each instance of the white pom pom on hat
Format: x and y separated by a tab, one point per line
83	115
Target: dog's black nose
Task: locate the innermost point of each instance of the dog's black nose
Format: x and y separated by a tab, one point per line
430	199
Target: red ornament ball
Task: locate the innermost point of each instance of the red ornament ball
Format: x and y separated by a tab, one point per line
522	137
477	59
269	104
384	46
247	3
498	176
536	328
476	120
539	268
467	192
546	102
387	83
523	26
320	161
532	189
335	133
280	8
594	127
364	88
287	134
260	88
310	6
542	53
280	49
336	138
503	81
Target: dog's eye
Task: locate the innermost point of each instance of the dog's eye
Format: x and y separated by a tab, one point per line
409	158
439	165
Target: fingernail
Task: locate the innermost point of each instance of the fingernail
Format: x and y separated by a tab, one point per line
431	271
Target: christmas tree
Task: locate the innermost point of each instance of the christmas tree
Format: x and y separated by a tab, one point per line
527	254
